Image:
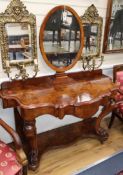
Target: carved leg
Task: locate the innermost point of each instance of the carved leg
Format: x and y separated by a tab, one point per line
19	124
112	120
102	134
31	135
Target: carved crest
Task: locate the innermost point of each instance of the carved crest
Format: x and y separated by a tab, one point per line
91	14
16	9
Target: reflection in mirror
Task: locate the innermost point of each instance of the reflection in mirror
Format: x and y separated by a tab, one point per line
91	39
92	24
61	38
19	41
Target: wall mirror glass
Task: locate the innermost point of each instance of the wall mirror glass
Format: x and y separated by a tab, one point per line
19	41
61	38
18	38
92	24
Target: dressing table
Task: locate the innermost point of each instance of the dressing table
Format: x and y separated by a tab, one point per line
80	94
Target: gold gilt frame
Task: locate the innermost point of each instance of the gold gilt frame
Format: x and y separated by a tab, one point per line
91	17
16	12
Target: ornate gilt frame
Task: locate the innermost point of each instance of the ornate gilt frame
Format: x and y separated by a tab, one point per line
16	12
91	16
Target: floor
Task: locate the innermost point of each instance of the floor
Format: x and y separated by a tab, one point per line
69	159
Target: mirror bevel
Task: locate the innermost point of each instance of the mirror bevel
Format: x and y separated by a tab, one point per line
41	38
16	13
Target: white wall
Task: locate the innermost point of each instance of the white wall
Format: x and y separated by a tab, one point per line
40	8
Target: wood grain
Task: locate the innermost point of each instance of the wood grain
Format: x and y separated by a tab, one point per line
80	94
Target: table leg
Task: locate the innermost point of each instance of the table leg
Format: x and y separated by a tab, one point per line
31	135
102	133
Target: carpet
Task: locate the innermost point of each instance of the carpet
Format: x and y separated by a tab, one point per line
109	166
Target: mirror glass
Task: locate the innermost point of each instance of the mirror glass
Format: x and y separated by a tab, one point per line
90	39
19	41
61	40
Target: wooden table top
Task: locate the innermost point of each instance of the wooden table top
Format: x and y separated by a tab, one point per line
75	90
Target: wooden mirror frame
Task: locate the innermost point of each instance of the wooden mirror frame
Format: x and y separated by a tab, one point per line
92	17
41	37
108	24
16	13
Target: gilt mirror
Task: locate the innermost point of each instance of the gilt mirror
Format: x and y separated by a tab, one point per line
61	38
92	24
17	36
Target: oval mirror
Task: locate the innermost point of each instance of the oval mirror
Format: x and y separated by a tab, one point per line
61	38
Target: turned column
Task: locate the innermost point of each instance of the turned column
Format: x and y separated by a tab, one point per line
31	136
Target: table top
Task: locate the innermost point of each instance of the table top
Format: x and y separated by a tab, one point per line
74	89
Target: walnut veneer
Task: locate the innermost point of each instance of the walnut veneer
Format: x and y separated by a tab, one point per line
79	94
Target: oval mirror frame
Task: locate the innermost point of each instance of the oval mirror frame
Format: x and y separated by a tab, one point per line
41	39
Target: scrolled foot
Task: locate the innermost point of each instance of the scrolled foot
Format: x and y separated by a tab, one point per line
102	134
31	136
33	160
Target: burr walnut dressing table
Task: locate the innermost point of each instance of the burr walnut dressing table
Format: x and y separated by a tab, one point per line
79	94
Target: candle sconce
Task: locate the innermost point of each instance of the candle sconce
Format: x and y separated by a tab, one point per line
7	70
91	62
22	71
